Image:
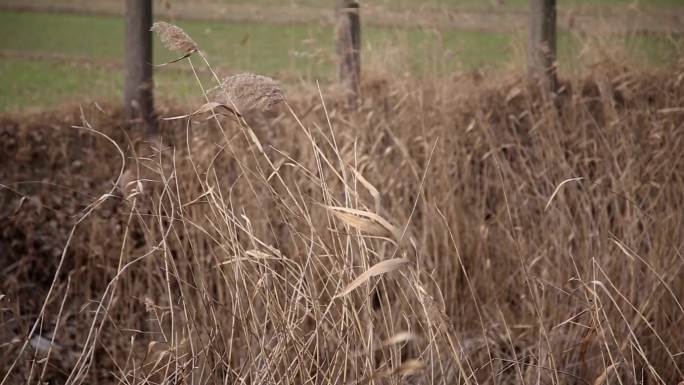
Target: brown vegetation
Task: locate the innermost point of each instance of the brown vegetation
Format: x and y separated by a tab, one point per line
487	235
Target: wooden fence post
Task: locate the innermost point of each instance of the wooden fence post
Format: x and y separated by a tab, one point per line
349	46
541	49
138	84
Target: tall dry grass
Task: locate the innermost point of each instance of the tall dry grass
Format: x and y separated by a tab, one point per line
467	230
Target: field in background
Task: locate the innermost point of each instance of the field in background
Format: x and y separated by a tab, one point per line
39	49
283	51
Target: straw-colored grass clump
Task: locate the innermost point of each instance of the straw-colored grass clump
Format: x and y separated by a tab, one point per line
487	235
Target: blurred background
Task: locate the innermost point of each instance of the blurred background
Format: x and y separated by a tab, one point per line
57	52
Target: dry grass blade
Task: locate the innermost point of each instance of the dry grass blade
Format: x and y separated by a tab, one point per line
369	223
399	338
672	110
396	339
174	38
371	189
601	379
377	269
405	369
555	191
410	367
248	92
206	107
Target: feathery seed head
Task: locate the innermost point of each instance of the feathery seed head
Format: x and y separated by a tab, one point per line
173	37
248	92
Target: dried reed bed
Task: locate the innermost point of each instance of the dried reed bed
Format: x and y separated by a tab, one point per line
431	237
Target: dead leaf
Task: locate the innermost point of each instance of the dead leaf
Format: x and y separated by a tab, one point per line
371	189
410	367
369	223
399	338
377	269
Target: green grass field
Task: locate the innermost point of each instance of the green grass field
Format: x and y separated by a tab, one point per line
284	51
295	50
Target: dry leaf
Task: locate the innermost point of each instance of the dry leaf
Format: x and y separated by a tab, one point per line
43	344
369	223
604	376
394	340
371	189
512	94
399	338
377	269
129	185
410	367
405	369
